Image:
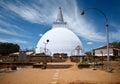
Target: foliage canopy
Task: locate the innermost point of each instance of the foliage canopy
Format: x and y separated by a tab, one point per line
115	44
7	48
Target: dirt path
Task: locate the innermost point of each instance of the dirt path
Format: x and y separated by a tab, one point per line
29	75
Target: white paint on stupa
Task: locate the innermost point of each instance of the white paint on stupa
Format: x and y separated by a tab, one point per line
61	39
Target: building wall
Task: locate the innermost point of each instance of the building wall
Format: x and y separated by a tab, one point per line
99	53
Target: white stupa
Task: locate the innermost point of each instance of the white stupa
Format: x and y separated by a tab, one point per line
59	39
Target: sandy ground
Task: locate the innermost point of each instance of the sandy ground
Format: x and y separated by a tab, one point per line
73	75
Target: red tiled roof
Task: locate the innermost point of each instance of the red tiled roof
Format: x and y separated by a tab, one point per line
104	47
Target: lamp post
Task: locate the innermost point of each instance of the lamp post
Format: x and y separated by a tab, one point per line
107	34
93	54
45	45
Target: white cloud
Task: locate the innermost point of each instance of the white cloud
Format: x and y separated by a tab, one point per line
115	34
89	43
40	35
45	11
6	31
10	26
11	29
13	40
20	41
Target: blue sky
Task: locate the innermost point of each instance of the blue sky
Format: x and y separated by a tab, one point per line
24	21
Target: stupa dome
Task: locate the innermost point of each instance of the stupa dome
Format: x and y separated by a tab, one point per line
59	39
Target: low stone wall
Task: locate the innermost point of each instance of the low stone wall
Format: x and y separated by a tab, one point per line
76	58
35	58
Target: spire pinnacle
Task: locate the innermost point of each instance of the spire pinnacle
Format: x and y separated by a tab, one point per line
60	16
59	21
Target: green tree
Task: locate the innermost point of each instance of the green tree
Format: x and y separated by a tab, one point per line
115	44
7	48
88	53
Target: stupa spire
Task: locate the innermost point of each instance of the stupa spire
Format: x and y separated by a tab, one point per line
60	16
59	21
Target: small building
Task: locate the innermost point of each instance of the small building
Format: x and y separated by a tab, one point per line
102	51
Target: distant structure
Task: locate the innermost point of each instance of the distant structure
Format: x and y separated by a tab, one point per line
61	39
102	51
78	50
